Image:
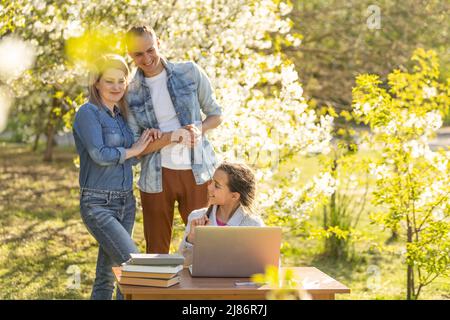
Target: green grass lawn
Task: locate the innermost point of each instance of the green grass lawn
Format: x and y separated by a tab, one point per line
43	240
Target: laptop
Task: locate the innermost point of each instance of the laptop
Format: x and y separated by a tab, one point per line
234	251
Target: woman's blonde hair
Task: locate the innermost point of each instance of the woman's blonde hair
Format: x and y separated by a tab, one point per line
105	62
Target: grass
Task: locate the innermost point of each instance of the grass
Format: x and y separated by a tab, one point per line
44	244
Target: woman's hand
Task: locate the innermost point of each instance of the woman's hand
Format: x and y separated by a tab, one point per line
155	133
145	138
202	221
148	136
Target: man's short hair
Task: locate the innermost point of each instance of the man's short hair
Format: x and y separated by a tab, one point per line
138	31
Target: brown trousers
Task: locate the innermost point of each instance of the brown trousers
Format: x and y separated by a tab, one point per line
158	208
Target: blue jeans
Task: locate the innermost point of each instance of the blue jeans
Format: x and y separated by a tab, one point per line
109	217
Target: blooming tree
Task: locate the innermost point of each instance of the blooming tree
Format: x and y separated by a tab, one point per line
16	57
412	181
266	118
45	94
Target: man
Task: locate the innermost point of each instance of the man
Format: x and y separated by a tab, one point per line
169	96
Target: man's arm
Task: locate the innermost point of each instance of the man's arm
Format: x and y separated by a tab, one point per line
211	122
158	144
206	96
207	101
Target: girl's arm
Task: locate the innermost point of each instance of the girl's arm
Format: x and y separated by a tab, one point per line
186	247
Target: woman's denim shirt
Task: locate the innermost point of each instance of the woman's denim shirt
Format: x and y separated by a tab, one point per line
191	94
101	140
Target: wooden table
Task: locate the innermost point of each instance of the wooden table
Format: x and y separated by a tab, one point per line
316	283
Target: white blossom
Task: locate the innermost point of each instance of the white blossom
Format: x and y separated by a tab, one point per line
325	183
379	171
429	92
285	8
438	213
391	128
433	120
16	56
73	29
415	148
6	100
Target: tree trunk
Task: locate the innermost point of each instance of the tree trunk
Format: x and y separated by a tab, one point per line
48	154
410	270
335	247
36	141
50	132
393	237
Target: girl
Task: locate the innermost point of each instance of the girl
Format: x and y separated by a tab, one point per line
107	150
231	194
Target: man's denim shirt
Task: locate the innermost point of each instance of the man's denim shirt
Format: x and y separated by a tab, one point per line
191	92
101	140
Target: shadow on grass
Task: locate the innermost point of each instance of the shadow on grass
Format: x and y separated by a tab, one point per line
45	268
31	188
41	233
29	234
341	269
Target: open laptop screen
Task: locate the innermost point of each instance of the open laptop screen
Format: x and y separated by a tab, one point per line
234	251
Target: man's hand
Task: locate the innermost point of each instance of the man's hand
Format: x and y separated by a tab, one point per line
188	135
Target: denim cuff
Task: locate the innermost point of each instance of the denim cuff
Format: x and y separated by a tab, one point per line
122	154
135	161
216	111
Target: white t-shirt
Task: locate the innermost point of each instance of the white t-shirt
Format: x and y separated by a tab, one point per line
174	156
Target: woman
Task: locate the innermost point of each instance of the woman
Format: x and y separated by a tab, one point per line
231	195
107	151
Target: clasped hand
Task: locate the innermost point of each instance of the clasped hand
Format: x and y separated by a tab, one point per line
148	136
202	221
188	135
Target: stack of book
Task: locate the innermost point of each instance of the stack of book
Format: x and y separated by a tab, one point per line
155	270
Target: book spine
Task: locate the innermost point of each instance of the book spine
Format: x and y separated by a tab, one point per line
150	283
147	275
156	263
150	269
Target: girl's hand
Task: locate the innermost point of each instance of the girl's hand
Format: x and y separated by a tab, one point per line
202	221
